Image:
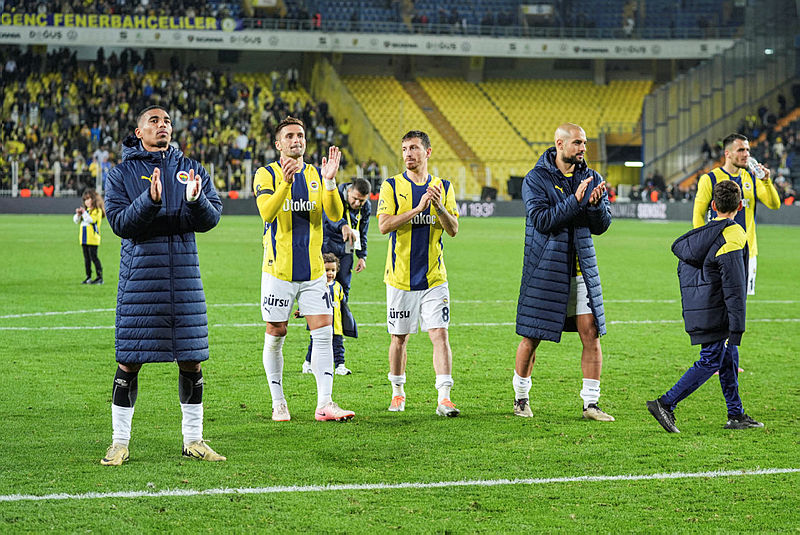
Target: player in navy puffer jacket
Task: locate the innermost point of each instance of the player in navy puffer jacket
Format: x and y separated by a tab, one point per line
566	202
156	199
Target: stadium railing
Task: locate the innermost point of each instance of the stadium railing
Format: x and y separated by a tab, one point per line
478	30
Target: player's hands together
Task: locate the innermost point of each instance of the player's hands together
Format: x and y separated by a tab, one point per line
330	165
155	185
597	193
582	187
435	193
193	187
424	202
289	166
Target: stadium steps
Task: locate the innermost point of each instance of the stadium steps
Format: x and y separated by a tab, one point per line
502	114
422	99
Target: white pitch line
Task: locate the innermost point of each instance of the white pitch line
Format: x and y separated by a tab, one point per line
383	324
383	303
393	486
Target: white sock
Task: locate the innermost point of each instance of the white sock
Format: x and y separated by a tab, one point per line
192	423
121	418
397	384
273	366
590	392
322	364
522	387
443	385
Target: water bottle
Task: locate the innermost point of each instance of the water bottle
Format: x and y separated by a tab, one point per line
755	170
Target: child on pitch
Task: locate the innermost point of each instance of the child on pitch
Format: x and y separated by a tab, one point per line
712	270
89	216
343	322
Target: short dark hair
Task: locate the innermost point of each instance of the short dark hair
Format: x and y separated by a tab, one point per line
286	122
149	108
730	138
727	196
362	186
426	141
330	257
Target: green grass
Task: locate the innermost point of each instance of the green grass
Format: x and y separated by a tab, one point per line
55	387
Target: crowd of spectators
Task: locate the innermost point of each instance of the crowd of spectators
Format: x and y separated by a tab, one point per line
57	109
183	8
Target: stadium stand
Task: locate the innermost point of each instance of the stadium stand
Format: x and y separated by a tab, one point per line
393	112
57	110
600	18
493	139
616	106
187	8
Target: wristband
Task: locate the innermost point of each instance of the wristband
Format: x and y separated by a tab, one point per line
330	184
192	198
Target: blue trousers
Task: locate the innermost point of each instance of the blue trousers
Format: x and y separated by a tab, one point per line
338	349
716	356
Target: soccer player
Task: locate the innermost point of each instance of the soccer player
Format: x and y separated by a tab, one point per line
415	208
566	203
737	151
156	200
713	278
292	197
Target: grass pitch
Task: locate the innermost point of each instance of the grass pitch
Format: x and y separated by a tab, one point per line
57	365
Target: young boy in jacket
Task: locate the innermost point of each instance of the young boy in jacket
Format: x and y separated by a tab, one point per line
712	270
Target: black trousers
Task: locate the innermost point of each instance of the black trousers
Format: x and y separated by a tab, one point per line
89	257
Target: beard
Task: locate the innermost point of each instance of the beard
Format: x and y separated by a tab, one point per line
162	143
572	160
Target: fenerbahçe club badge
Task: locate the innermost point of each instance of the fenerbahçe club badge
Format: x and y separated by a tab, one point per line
314	185
182	176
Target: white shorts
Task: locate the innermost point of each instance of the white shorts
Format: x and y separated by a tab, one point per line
578	298
406	308
277	298
751	275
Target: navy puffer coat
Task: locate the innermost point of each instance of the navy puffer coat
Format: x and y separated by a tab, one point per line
161	307
556	229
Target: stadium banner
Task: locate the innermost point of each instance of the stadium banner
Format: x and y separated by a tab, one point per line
117	22
671	211
355	43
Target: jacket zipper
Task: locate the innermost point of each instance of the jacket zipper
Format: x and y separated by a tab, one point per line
169	249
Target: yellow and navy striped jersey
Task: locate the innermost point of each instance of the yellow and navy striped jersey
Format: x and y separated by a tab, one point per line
414	260
337	296
292	216
752	190
89	231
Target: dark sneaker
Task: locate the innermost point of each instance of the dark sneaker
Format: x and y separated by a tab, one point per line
98	280
87	280
742	422
663	415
